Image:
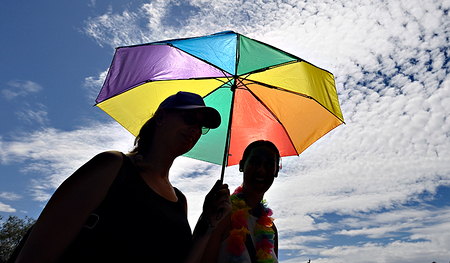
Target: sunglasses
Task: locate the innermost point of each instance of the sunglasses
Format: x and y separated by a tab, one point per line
190	118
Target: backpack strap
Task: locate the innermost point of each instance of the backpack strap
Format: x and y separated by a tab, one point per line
93	218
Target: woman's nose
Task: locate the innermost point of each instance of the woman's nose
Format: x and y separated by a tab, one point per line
261	167
195	128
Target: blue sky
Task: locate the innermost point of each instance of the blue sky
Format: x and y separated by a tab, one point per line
373	190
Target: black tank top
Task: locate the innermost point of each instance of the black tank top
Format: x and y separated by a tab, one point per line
134	224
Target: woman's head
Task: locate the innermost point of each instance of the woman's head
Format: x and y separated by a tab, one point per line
260	164
143	139
186	108
261	143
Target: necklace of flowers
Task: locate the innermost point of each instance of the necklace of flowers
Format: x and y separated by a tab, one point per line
263	232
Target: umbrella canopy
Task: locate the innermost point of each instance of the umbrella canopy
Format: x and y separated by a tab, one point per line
261	92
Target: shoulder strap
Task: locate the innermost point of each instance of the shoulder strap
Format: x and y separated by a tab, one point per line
93	218
121	174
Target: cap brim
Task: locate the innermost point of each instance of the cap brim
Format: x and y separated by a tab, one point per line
212	116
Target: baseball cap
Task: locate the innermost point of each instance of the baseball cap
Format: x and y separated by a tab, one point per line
189	101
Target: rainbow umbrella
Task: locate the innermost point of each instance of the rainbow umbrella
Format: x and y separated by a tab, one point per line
261	92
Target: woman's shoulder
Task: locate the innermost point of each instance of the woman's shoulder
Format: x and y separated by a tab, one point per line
102	167
107	160
108	156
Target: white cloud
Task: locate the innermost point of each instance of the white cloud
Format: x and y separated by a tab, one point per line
422	235
121	26
6	208
27	113
10	196
53	155
416	222
33	114
92	4
20	88
94	84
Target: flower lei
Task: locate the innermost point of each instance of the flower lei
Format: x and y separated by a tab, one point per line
263	230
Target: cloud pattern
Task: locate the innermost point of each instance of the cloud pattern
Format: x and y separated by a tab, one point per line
359	194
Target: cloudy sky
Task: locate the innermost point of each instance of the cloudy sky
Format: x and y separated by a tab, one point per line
376	189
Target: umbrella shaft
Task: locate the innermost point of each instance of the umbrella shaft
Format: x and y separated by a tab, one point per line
227	141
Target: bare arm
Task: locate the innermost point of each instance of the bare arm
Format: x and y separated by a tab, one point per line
217	206
69	207
220	234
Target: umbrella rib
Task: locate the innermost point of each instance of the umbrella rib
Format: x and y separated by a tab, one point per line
295	93
297	60
165	42
275	66
149	80
238	54
277	88
276	118
171	45
212	91
289	54
203	60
